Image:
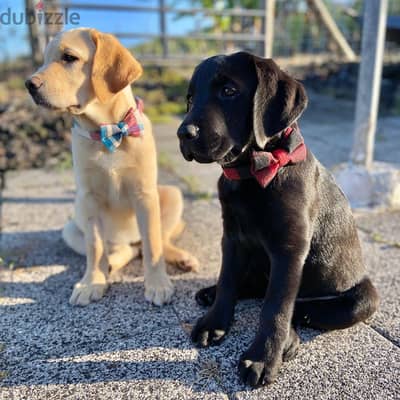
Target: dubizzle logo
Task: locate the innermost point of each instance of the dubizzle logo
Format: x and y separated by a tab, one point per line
39	6
39	16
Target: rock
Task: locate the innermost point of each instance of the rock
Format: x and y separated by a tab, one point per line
377	187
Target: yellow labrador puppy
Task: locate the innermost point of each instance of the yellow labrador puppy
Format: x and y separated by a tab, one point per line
118	203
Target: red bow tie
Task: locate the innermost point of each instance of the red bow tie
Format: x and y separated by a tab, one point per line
264	165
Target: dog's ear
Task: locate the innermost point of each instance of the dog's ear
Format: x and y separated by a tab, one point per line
279	100
114	67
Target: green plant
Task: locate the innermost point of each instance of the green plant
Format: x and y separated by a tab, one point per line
3	374
165	162
15	82
65	161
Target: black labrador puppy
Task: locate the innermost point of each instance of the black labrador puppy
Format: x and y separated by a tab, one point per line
289	234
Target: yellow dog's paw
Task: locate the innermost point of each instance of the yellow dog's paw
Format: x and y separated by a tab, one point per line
115	277
158	288
85	293
181	259
188	263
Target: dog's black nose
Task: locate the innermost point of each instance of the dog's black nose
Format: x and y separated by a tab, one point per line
33	84
189	131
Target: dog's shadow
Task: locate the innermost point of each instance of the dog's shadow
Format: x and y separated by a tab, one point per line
120	338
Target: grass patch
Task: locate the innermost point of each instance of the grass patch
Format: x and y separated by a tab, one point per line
163	91
16	83
378	238
8	260
193	186
3	374
64	161
165	162
191	182
209	371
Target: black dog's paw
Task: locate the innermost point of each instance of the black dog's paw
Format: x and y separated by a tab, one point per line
292	346
209	331
205	297
255	371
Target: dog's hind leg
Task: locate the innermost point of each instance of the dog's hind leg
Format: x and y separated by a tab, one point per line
338	312
205	297
253	285
119	256
171	204
74	237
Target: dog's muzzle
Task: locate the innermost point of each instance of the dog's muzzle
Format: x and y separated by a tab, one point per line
186	133
33	85
199	145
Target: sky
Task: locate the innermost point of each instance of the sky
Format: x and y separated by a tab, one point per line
13	38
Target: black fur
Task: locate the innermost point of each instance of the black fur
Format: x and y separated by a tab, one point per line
295	242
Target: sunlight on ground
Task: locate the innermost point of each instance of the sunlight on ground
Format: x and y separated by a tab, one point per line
138	355
10	301
31	274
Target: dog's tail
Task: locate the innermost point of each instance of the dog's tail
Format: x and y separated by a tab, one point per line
74	237
338	312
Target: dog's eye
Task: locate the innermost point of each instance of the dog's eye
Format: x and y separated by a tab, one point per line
68	58
228	91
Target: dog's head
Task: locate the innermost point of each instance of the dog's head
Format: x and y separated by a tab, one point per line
81	66
234	102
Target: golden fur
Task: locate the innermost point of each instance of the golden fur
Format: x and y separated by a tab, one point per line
118	202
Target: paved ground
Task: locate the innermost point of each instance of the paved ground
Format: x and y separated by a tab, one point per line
124	348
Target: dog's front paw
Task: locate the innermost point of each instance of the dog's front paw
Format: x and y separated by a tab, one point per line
158	288
210	330
254	370
252	373
87	292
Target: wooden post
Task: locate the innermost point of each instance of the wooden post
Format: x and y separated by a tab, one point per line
163	29
322	13
34	35
51	30
269	28
369	81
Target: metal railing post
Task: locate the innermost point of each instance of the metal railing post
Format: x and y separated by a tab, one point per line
163	29
369	81
269	20
34	35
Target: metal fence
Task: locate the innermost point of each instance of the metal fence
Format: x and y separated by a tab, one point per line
299	31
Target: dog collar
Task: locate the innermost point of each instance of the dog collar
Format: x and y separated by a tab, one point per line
264	165
111	135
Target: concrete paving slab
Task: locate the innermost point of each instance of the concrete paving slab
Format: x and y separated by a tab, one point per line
353	364
144	366
124	348
381	236
56	349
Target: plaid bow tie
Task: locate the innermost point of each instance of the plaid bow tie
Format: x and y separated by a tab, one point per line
264	165
111	135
